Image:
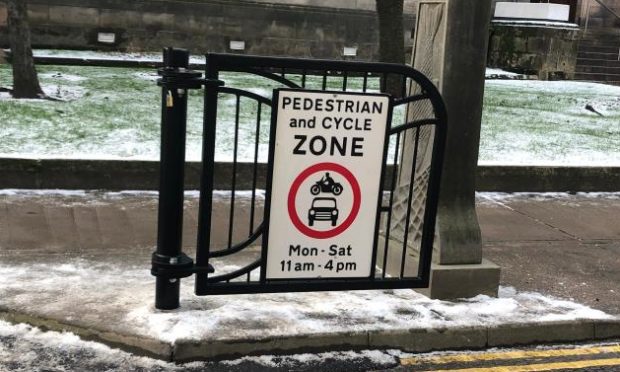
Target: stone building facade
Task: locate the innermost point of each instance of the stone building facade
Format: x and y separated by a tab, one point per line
587	47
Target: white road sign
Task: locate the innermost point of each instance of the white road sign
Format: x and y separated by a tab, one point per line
327	164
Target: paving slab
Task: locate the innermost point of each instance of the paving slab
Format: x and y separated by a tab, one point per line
62	226
585	267
584	219
587	273
27	225
499	222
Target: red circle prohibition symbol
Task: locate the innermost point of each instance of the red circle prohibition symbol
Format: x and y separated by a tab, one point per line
292	195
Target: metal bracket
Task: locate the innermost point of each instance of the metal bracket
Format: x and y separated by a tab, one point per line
212	83
185	79
180	266
179	78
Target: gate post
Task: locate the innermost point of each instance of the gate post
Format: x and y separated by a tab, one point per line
168	259
450	47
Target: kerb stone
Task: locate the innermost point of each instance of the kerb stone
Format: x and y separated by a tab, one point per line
515	334
423	340
205	349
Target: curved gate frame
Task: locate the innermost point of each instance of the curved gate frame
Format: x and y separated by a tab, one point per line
276	69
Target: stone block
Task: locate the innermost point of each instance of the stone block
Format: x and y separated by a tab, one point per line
185	351
520	44
527	333
191	23
548	49
423	340
233	29
535	44
73	15
159	20
38	14
462	281
121	19
607	329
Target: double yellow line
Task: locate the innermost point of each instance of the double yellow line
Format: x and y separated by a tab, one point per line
525	354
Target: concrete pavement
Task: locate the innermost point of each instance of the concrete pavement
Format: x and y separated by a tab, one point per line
563	245
558	244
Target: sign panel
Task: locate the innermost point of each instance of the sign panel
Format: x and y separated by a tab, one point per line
327	162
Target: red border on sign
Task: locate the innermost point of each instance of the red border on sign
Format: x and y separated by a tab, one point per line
292	195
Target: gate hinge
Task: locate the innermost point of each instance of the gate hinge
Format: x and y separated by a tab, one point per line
212	83
180	266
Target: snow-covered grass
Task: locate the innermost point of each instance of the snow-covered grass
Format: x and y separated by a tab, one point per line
546	123
114	113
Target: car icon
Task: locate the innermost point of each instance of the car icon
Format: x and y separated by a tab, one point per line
323	209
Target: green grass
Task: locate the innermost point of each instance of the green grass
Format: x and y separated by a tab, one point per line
115	113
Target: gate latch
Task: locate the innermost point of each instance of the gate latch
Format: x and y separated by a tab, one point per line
180	266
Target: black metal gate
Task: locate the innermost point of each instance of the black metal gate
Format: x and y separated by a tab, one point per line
169	263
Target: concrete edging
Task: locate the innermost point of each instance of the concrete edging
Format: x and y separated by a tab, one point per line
409	340
144	175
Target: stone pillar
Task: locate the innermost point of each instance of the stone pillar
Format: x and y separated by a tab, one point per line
450	47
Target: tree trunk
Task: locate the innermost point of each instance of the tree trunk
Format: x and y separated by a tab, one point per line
391	41
25	80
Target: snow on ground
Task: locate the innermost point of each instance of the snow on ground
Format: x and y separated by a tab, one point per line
542	196
62	92
92	194
535	196
67	77
25	348
100	55
537	23
22	348
496	199
55	91
496	73
122	294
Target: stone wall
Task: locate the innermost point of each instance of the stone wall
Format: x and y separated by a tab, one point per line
548	51
282	28
598	18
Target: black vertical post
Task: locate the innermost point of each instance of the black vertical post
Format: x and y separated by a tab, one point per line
208	155
175	82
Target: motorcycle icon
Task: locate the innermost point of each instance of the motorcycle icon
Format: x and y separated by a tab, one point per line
326	184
